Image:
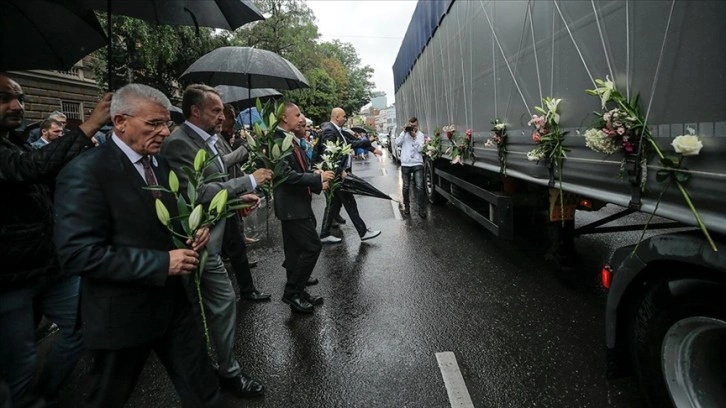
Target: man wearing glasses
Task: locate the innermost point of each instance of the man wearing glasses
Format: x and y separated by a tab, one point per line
411	141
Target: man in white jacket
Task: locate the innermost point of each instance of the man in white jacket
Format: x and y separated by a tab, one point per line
411	141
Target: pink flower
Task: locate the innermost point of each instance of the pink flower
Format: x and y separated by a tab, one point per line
621	130
468	134
457	160
628	147
536	137
449	134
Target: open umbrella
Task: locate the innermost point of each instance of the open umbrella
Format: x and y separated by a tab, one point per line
176	115
224	14
245	66
358	129
31	39
245	97
356	185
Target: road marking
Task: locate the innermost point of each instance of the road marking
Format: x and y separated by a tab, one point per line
385	172
396	211
455	385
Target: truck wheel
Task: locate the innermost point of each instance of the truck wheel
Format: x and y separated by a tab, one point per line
433	196
678	348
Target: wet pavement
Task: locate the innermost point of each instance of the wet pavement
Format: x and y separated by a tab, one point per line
522	337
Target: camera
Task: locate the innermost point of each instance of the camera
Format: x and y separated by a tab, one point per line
408	128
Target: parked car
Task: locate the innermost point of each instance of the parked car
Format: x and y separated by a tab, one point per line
383	139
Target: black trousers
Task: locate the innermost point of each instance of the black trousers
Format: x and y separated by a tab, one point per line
347	200
183	353
302	247
235	249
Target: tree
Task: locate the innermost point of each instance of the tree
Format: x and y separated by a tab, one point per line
153	55
318	100
359	87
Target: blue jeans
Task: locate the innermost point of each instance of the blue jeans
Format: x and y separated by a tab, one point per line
58	301
418	177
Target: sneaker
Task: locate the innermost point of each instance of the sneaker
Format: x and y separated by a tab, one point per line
404	210
330	239
370	234
334	225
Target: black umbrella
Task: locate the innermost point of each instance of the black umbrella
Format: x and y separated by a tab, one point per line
176	115
245	97
358	129
36	34
356	185
245	66
225	14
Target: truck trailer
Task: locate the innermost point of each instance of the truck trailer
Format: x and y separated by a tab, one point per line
487	65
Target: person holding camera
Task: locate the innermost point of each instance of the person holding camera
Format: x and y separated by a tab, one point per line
411	142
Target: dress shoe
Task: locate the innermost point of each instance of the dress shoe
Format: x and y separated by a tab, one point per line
298	304
311	281
404	210
255	296
370	234
249	240
252	264
330	240
422	214
242	386
339	219
334	224
313	300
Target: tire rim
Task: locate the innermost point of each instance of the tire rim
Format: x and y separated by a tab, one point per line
694	362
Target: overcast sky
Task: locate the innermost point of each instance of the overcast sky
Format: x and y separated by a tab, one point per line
374	27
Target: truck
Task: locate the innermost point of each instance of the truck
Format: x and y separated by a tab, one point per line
479	66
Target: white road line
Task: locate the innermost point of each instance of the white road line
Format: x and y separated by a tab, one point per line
396	211
455	385
385	172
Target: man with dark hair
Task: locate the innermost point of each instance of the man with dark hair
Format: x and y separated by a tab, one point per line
57	116
332	132
293	208
50	131
204	111
29	269
411	142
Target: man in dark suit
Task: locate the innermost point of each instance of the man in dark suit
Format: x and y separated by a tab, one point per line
333	133
204	111
107	231
292	206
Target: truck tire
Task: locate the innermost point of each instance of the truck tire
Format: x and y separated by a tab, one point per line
678	348
429	184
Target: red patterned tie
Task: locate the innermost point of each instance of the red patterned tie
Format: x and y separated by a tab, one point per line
149	176
296	149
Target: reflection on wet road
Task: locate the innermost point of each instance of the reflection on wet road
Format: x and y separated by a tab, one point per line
521	337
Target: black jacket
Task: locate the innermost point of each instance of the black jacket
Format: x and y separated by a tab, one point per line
27	253
293	197
331	134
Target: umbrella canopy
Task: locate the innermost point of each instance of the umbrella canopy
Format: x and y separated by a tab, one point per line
245	66
176	114
245	97
225	14
31	39
356	185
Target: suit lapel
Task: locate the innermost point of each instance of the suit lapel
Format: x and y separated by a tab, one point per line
203	145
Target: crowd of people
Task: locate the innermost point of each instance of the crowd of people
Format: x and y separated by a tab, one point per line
81	243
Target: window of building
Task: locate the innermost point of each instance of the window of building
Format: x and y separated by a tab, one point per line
73	110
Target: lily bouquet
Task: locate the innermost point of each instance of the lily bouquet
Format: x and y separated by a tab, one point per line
192	215
432	145
334	160
264	149
550	140
460	146
671	171
499	140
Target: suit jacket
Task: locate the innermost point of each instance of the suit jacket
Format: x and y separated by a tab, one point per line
180	149
293	197
332	134
107	232
232	158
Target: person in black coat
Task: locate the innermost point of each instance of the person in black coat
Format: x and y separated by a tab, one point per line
331	132
29	270
293	208
107	231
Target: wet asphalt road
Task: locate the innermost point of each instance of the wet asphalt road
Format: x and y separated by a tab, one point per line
522	337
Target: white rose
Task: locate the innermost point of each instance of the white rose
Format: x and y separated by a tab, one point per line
687	145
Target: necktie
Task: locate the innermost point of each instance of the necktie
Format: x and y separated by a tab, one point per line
300	160
149	176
